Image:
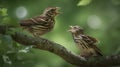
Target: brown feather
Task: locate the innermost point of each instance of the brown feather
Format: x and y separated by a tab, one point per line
41	24
86	44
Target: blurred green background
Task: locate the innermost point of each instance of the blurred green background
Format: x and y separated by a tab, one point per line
99	18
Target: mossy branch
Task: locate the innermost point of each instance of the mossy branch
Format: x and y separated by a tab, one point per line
44	44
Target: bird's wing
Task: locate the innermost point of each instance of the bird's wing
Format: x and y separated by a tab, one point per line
89	39
93	39
33	21
97	50
80	43
91	42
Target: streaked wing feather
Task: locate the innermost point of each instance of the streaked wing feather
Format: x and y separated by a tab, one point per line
98	51
82	43
93	39
33	21
89	39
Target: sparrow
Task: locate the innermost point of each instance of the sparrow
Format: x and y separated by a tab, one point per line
86	44
42	24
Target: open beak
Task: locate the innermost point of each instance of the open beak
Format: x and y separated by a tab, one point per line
70	30
57	10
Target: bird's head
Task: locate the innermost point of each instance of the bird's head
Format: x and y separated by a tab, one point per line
76	30
52	11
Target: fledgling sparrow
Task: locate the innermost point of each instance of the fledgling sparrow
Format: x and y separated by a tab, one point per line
41	24
86	44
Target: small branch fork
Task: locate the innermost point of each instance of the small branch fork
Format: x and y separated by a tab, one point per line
44	44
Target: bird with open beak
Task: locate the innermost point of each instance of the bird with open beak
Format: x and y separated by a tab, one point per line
41	24
86	44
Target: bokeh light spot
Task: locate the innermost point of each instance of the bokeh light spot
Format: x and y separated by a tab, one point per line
21	12
94	22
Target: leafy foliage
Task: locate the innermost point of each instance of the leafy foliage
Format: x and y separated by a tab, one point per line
3	12
8	47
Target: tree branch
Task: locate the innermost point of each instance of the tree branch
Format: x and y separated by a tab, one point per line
44	44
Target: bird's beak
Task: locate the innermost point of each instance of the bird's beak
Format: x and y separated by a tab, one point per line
57	10
70	30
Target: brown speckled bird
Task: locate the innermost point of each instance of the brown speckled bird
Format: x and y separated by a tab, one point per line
86	44
41	24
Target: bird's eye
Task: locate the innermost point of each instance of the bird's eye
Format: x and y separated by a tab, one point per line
52	10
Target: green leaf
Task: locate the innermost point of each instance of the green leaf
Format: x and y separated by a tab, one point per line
3	45
3	12
84	2
6	45
12	31
10	21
